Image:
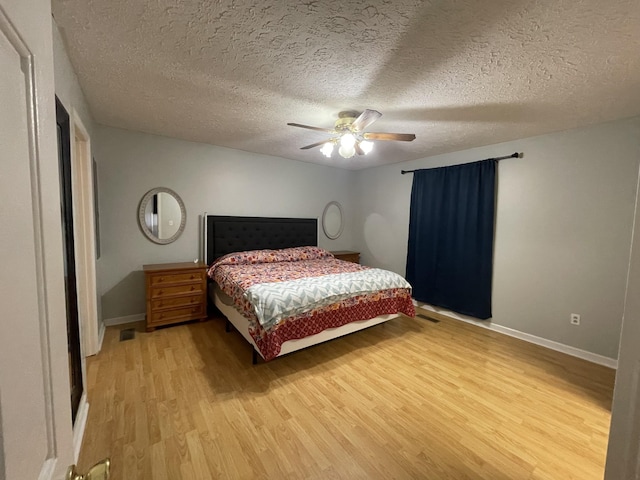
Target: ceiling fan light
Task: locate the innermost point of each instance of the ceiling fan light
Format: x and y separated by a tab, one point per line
327	149
366	146
346	151
347	140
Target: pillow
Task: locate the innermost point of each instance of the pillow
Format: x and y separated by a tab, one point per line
252	257
302	253
243	258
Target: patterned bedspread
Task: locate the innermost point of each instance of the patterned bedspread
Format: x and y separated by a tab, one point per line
293	293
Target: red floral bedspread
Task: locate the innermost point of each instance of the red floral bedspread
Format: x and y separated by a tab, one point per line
235	273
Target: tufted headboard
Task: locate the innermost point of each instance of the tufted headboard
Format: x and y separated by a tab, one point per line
226	234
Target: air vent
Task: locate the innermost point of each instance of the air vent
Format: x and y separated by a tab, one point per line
127	334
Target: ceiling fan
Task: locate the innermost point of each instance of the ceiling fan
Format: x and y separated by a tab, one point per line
348	133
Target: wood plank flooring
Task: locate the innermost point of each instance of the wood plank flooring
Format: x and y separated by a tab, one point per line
407	399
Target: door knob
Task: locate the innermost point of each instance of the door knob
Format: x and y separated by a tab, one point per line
100	471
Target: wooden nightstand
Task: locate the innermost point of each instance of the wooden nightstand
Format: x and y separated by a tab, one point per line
347	256
176	292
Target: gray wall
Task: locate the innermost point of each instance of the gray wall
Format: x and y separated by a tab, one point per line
214	179
563	229
67	86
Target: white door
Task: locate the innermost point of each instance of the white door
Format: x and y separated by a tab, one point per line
35	422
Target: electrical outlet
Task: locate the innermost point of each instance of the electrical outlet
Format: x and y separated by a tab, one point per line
575	319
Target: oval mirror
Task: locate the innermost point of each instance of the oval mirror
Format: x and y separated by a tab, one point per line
162	215
332	221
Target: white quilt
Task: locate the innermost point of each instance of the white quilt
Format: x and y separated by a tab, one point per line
275	301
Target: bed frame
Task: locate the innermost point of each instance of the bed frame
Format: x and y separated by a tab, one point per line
226	234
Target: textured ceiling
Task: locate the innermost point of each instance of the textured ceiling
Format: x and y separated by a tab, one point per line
457	73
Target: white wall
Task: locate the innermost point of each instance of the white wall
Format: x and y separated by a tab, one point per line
214	179
563	229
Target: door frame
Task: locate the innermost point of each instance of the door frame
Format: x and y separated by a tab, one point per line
85	258
84	235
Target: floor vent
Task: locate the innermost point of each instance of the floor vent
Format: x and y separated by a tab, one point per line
428	318
128	334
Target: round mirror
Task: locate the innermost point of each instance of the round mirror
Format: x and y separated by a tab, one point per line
162	215
332	221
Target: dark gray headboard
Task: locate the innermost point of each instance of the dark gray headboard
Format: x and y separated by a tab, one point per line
225	234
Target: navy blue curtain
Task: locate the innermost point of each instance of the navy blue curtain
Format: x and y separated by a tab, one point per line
450	254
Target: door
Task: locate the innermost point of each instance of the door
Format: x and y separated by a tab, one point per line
35	415
69	259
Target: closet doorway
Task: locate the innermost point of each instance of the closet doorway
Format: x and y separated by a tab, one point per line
69	261
79	248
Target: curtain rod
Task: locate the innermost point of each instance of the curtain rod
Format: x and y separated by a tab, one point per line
513	155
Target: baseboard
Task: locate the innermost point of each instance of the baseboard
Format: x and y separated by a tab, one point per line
110	322
101	331
527	337
48	469
79	426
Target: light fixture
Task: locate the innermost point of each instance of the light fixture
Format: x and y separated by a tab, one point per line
347	151
349	135
347	140
366	146
327	149
348	144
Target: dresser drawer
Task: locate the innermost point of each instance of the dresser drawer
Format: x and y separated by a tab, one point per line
176	314
173	278
172	302
187	289
175	292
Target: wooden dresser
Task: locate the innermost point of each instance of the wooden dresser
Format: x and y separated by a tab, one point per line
176	292
347	256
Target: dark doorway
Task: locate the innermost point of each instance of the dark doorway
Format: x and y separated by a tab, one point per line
68	248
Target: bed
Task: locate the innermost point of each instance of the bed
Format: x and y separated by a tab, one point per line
262	260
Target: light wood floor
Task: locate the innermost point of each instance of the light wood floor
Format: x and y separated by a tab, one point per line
408	399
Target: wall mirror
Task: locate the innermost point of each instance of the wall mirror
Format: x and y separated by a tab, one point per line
162	215
332	220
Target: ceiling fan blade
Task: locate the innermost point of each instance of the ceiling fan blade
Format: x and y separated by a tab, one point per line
317	144
358	148
403	137
327	130
365	119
